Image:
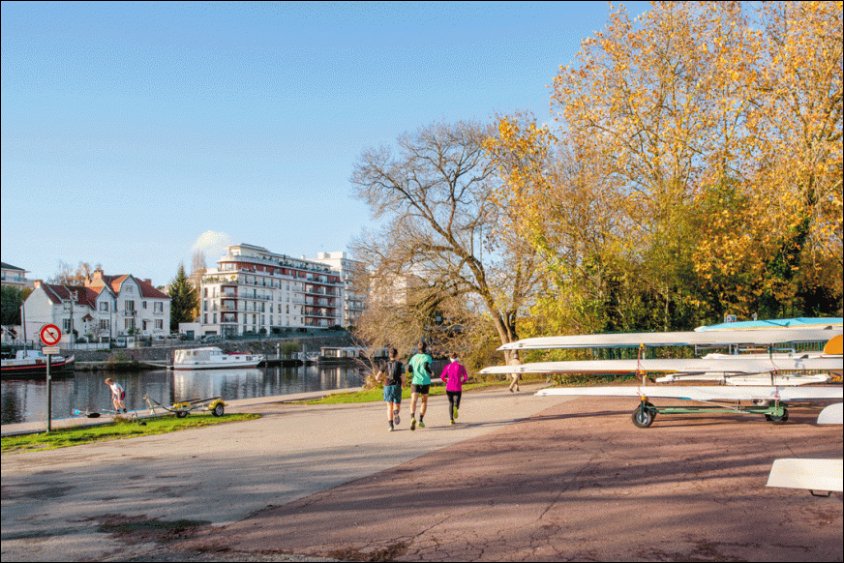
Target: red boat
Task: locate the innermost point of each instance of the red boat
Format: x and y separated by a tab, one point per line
33	362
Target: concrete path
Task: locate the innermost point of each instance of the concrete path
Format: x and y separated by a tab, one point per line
73	503
577	482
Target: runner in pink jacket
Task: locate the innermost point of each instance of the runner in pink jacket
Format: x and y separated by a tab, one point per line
454	375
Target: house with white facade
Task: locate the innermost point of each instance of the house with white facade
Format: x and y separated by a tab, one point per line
105	307
255	291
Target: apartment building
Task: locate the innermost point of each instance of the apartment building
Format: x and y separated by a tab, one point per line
351	274
13	276
257	291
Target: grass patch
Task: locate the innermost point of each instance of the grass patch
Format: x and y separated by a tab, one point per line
569	380
118	430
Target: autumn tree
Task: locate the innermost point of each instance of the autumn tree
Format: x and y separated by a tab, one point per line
434	193
703	140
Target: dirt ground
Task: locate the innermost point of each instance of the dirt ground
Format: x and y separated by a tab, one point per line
576	482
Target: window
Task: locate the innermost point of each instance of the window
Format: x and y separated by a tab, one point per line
104	306
128	323
130	305
145	305
66	326
159	324
103	324
130	290
158	307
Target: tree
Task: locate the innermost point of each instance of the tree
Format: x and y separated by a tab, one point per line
703	143
12	299
183	300
68	275
435	192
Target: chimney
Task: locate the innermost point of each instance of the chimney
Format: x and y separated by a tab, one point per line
37	283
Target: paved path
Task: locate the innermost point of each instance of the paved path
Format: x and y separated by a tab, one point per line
577	482
73	503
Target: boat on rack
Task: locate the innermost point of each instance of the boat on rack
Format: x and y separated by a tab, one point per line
211	357
33	362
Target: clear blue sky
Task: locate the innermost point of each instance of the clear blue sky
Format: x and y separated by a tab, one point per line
129	130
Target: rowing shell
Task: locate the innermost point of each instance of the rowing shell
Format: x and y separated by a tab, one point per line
717	365
714	338
704	393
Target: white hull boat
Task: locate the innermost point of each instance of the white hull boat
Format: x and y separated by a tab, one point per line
213	358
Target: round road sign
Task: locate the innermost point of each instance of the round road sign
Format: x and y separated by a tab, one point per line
50	335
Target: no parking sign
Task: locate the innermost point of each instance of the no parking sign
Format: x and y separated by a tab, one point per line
50	335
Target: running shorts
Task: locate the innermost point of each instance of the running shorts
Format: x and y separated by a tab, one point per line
392	394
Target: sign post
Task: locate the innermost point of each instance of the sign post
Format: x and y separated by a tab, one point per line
50	337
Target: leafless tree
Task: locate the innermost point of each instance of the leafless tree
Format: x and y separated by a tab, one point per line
440	246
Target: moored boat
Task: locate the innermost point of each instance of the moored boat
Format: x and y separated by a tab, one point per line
211	357
33	362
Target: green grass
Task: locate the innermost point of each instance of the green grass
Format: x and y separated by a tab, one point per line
373	395
119	430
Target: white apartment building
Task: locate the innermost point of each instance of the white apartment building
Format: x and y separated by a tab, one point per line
351	272
257	291
105	306
14	276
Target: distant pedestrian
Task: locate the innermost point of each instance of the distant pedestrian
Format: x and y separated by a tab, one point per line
514	361
118	394
454	375
420	364
392	372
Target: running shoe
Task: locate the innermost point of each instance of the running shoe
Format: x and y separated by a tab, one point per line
455	412
391	428
396	418
421	424
413	424
452	422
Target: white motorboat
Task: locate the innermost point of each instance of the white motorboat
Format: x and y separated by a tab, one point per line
213	358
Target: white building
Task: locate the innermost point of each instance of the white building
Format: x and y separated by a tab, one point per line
257	291
351	272
105	307
14	276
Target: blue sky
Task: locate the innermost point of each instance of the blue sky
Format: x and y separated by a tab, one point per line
133	133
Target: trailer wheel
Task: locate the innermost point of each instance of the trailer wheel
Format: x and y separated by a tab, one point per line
642	417
181	414
217	410
778	419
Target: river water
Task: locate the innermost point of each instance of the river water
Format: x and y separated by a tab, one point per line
25	400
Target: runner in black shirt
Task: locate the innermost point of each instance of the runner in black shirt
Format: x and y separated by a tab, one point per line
392	371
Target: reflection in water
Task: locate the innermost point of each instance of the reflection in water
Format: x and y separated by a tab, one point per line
26	400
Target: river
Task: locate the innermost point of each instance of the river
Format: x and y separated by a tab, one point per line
25	400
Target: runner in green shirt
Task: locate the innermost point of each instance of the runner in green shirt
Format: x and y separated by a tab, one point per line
420	365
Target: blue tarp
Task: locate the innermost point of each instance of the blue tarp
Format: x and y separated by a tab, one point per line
800	322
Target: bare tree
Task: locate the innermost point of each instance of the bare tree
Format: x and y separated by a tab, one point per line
436	191
67	275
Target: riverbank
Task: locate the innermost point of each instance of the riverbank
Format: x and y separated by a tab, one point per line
245	405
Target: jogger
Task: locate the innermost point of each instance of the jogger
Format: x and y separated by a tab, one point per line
454	375
392	387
